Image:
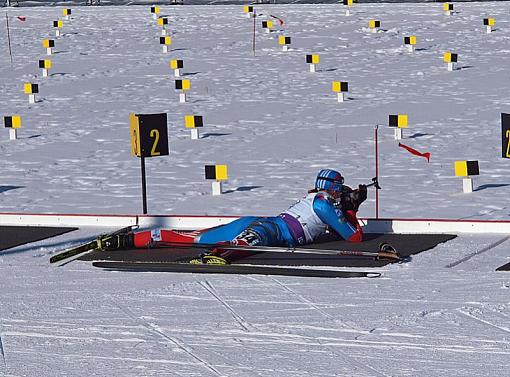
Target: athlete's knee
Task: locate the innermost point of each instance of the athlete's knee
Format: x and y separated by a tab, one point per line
248	237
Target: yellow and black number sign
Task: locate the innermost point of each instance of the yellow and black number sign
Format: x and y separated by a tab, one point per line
149	135
505	135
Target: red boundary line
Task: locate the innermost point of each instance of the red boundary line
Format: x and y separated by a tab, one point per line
62	214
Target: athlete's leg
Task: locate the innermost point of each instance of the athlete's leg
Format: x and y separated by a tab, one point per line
225	233
262	231
160	237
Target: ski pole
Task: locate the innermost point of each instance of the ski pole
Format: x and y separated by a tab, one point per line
263	249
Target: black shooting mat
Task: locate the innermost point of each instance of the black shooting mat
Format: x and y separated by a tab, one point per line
11	236
405	244
505	267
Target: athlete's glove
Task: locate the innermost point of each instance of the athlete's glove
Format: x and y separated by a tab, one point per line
362	193
358	196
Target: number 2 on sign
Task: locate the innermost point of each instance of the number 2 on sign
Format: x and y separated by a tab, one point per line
155	134
507	143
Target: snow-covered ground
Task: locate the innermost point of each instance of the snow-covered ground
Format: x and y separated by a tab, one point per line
275	125
420	319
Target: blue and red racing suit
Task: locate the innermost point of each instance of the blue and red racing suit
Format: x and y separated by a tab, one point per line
304	222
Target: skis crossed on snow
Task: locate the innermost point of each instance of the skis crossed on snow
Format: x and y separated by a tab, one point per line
385	252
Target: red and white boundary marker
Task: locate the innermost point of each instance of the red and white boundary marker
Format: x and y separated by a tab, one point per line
189	222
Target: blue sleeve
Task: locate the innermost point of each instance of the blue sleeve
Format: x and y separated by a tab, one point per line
332	217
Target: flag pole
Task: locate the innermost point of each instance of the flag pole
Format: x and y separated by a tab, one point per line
254	26
376	171
8	36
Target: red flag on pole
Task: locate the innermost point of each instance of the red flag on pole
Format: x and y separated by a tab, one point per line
279	19
415	152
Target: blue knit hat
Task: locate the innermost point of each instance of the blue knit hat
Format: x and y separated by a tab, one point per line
328	179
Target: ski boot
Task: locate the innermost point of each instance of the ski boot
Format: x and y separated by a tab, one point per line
118	241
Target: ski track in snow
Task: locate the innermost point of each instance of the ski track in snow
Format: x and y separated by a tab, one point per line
155	329
238	318
349	359
469	315
305	300
2	353
275	124
476	253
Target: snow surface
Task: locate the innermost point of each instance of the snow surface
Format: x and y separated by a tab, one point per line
275	125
